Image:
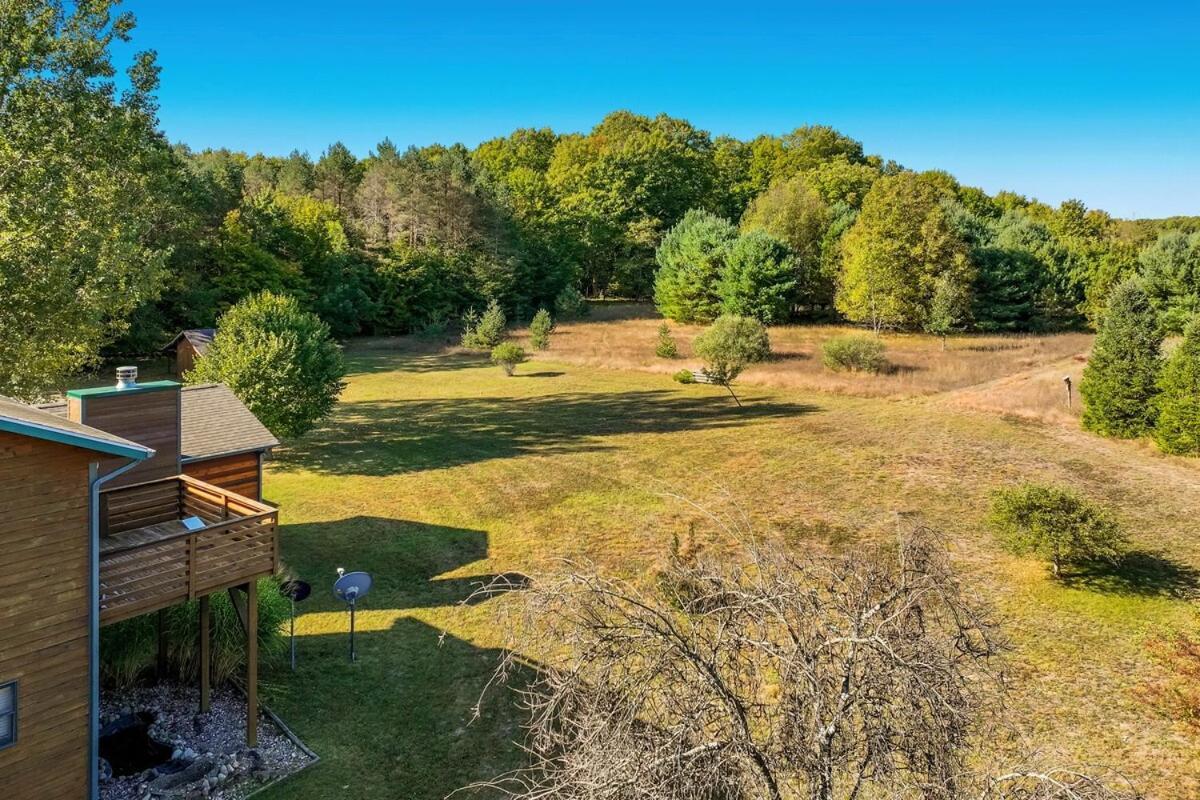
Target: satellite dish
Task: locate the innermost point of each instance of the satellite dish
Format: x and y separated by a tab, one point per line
294	591
350	587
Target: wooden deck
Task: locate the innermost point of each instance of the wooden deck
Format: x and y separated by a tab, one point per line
150	560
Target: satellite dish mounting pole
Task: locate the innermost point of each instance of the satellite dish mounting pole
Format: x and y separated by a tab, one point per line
353	653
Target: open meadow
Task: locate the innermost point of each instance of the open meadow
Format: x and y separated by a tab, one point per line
436	472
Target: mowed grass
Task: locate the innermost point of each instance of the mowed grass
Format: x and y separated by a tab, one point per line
437	472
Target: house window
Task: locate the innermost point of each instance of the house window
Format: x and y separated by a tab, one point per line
8	714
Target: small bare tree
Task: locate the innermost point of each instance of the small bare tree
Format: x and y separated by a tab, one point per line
1058	784
827	677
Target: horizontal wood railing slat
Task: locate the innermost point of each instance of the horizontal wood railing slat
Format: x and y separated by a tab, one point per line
239	543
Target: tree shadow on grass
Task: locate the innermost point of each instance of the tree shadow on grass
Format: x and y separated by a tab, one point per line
542	374
366	361
392	437
1138	573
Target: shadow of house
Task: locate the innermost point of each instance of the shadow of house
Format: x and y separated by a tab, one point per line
400	721
403	557
391	437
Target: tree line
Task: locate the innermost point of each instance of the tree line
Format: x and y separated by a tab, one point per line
112	238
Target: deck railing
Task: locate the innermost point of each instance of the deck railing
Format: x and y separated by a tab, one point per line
148	562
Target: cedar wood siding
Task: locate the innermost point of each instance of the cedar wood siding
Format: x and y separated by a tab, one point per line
237	473
185	357
149	417
44	598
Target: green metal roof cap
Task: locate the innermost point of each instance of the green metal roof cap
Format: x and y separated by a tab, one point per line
105	391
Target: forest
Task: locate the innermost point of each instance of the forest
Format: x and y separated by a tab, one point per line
112	238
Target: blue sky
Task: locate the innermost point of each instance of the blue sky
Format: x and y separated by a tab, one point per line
1054	100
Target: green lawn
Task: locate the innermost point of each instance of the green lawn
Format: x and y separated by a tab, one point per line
437	472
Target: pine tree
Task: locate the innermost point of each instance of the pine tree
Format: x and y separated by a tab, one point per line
1120	381
1178	427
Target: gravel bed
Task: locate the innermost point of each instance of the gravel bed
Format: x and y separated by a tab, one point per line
209	756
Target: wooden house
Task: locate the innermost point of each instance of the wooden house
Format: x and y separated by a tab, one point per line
101	523
185	348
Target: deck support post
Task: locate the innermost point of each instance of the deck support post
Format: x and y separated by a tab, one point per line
160	666
205	657
252	664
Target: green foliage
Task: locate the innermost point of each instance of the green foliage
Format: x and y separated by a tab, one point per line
129	649
508	355
1056	524
854	354
684	376
729	345
950	307
759	278
794	212
1170	269
89	207
899	245
278	359
1120	381
540	329
1177	429
484	331
571	304
666	347
690	260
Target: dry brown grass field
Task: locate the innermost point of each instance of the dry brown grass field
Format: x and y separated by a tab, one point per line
437	471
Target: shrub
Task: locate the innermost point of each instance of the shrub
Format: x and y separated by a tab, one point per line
1177	429
279	360
666	343
1120	381
729	345
508	355
1056	524
484	331
684	376
540	329
571	304
759	279
854	353
130	648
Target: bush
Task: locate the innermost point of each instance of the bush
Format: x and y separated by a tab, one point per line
571	304
484	331
1120	381
684	376
130	648
540	329
854	353
1177	429
729	345
666	347
508	355
279	360
1056	524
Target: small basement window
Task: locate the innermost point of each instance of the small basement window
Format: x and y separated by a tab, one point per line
8	714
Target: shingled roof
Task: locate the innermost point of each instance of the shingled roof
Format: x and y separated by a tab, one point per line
216	423
200	339
16	417
213	423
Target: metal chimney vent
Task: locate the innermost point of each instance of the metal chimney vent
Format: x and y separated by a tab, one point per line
126	377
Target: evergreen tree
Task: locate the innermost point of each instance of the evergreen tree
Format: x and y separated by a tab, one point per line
690	261
1120	381
759	279
1178	427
